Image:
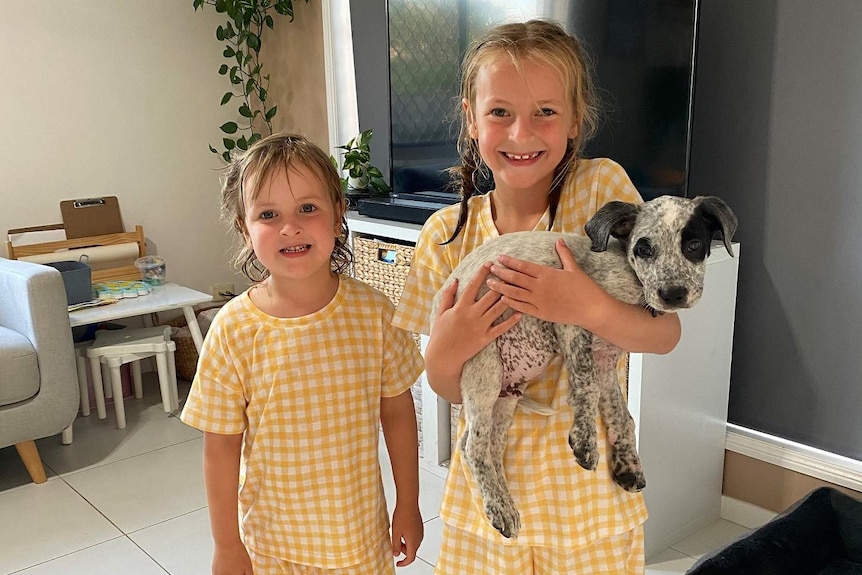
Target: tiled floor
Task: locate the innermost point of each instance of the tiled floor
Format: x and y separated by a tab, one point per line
132	501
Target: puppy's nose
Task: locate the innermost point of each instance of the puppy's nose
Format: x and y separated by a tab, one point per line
673	295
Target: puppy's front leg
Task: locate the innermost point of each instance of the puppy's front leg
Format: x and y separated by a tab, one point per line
480	390
576	346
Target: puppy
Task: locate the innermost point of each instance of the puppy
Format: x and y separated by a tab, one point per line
657	261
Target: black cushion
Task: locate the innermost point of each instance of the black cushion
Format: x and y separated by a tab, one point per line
819	535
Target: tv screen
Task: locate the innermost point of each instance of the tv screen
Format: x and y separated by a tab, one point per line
643	54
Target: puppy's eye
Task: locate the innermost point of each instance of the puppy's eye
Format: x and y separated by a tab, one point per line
693	245
642	249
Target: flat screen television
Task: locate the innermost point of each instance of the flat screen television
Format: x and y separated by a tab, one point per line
407	55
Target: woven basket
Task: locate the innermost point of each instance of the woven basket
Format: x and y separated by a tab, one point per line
186	355
382	265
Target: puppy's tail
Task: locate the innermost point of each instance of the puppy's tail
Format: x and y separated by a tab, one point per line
532	406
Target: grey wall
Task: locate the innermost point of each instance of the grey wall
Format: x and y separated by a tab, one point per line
778	134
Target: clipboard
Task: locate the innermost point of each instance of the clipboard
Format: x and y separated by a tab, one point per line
85	217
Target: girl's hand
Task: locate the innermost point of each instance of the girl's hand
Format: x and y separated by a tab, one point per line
231	560
460	331
565	295
407	533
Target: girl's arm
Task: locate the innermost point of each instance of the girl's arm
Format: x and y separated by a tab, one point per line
221	476
398	419
460	331
570	296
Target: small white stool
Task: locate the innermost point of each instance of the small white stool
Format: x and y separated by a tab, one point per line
115	348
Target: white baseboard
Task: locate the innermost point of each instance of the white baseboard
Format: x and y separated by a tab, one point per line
744	513
787	454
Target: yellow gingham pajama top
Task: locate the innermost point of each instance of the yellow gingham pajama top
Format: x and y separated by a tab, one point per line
561	505
306	393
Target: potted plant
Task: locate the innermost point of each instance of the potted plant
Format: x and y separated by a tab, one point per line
361	174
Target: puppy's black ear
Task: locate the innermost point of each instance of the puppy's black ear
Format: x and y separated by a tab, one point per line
613	219
719	217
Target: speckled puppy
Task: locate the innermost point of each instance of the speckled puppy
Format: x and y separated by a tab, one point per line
658	262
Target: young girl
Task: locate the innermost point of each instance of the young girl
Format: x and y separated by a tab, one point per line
295	378
527	109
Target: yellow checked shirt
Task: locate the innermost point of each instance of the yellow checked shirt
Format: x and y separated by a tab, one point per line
561	504
306	393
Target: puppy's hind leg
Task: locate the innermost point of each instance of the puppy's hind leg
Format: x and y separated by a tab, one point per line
480	389
504	411
576	345
625	463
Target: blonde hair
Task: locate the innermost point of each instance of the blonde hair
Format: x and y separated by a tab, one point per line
253	168
544	41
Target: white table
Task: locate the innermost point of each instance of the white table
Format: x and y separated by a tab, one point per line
163	298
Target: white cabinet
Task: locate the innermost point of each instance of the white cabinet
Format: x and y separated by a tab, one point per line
678	401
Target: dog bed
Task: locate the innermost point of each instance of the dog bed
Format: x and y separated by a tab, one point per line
819	535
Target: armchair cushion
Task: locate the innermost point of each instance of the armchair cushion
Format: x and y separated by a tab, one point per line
19	370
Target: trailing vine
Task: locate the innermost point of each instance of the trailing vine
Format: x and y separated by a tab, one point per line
242	34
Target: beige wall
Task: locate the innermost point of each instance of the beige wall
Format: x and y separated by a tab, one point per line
766	485
122	98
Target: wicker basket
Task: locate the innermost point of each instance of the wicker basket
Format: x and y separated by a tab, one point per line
382	265
186	355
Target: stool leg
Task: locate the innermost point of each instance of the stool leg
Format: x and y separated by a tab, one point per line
136	379
98	389
164	380
172	372
106	377
81	366
66	438
117	385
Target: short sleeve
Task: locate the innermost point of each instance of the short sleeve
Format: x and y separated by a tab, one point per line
614	184
216	401
428	273
402	362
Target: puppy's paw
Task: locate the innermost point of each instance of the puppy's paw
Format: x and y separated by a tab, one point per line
585	450
627	470
504	517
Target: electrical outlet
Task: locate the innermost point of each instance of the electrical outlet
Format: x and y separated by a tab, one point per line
218	289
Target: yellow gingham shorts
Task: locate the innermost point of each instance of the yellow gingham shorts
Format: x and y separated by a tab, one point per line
380	562
463	553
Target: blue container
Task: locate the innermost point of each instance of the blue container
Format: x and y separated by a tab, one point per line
77	281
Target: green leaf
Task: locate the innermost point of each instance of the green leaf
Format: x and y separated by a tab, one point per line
375	172
228	52
253	42
221	6
213	150
197	3
261	93
226	98
222	69
242	144
229	127
239	57
270	113
230	31
254	138
228	143
245	111
268	21
220	34
226	156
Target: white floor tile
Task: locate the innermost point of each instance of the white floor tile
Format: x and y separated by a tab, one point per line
430	486
429	551
99	442
141	491
669	562
710	538
418	567
182	546
115	556
43	522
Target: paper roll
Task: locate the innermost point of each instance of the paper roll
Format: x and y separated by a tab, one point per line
99	257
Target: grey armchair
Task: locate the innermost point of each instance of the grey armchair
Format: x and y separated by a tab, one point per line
39	392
